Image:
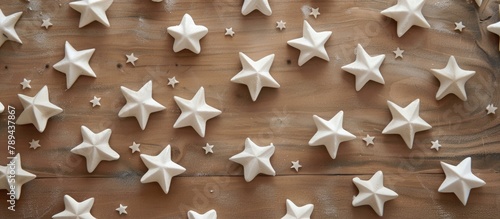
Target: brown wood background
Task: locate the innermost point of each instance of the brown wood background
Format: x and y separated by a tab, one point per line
282	116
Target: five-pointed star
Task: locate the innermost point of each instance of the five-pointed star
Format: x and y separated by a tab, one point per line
212	214
134	147
494	28
74	209
406	121
281	24
21	176
96	101
195	112
26	83
407	13
229	32
161	169
255	74
452	79
435	145
140	104
373	192
369	140
459	26
35	144
95	148
46	23
131	59
296	165
92	10
315	12
37	109
491	109
261	5
75	63
460	180
122	209
365	68
255	159
295	212
311	44
187	35
398	53
208	148
7	31
172	81
330	133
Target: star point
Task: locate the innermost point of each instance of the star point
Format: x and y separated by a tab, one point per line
407	13
369	140
131	59
75	64
452	80
208	148
187	35
460	180
95	101
35	144
229	32
398	53
92	10
172	81
46	23
296	165
21	176
135	147
491	109
122	209
295	212
373	192
26	83
459	26
255	159
37	110
365	68
330	133
260	5
281	25
75	210
315	12
212	214
161	169
494	28
7	30
435	145
312	44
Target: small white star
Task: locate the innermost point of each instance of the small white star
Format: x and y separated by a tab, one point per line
369	140
296	165
95	101
435	145
26	83
459	26
491	109
229	32
208	148
121	209
131	59
46	23
134	147
398	53
315	12
280	25
35	144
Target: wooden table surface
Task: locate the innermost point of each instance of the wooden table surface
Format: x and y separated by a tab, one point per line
280	116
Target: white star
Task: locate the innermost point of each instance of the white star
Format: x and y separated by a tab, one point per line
407	13
21	176
494	28
161	169
140	104
195	112
92	10
459	26
7	27
229	32
131	59
37	109
491	109
398	53
96	101
261	5
46	23
255	74
330	133
121	209
315	12
212	214
26	83
296	165
134	147
255	160
295	212
435	145
406	121
369	140
452	79
95	148
281	24
311	44
208	148
365	68
373	192
187	35
460	180
75	63
35	144
172	81
75	210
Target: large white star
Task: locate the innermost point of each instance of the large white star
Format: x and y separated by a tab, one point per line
407	13
161	169
452	80
7	31
95	148
460	180
187	35
255	160
21	176
261	5
75	210
311	44
92	10
212	214
37	109
255	74
373	192
195	112
75	63
295	212
365	68
406	121
494	28
330	133
140	104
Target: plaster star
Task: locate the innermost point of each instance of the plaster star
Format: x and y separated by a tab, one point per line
161	169
373	192
255	159
330	133
92	10
195	112
96	101
135	147
208	148
452	80
260	5
459	26
95	148
460	180
75	210
229	32
296	165
75	63
46	23
280	25
26	83
491	109
406	121
21	176
494	28
398	53
311	44
140	104
365	68
435	145
407	13
369	140
122	209
315	12
35	144
295	212
212	214
131	59
187	35
255	74
7	31
37	109
172	82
